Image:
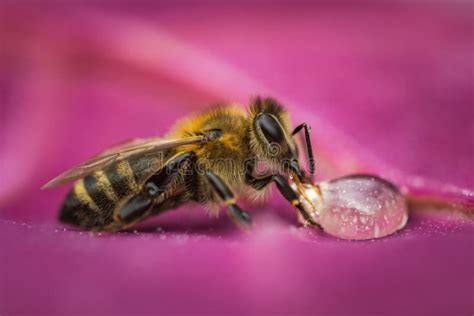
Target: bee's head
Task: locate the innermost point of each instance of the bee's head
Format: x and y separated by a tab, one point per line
270	136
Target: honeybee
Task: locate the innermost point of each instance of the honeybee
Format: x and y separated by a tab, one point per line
204	158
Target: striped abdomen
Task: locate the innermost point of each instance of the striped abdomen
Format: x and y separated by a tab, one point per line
92	200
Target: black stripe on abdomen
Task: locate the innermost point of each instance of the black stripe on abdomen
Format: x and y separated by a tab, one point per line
97	193
76	212
121	180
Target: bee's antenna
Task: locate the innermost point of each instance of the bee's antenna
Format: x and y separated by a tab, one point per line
309	147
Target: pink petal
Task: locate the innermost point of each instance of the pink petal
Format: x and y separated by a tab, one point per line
386	87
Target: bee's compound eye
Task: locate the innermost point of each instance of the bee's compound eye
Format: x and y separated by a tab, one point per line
152	189
270	128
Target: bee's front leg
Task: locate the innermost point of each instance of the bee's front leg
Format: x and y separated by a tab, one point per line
284	188
290	195
309	147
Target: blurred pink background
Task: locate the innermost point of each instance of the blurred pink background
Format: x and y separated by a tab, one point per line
385	85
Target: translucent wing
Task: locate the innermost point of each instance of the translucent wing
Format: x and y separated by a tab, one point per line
121	152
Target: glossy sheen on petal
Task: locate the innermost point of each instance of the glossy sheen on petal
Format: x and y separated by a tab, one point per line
361	207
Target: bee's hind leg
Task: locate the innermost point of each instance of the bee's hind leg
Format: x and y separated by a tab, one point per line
241	218
133	211
158	192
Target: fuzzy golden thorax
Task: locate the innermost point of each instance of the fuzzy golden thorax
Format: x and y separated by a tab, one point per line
225	155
